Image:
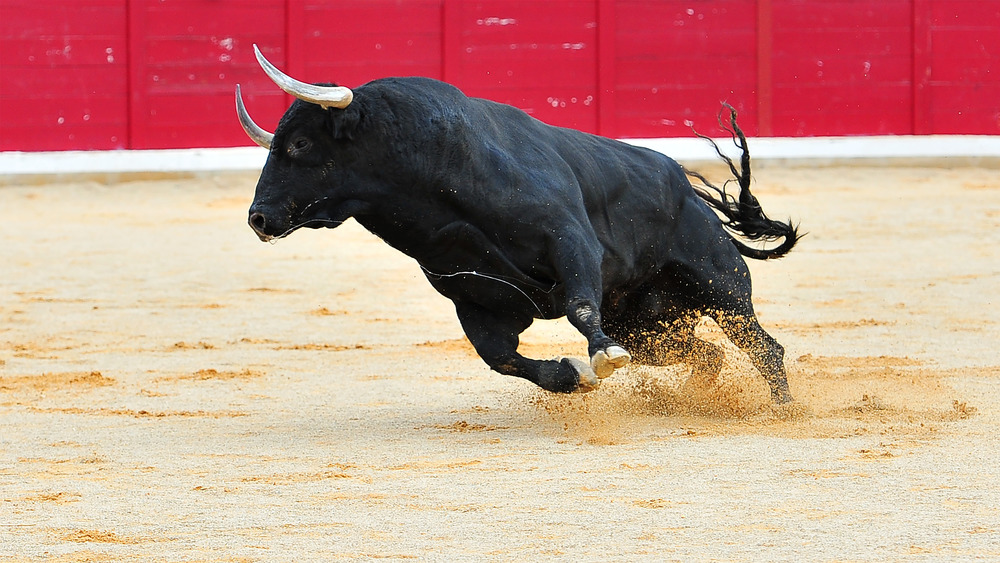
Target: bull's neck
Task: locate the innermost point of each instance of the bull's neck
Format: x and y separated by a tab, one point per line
408	226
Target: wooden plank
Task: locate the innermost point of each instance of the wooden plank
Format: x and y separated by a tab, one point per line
187	57
352	43
682	72
296	20
138	99
566	107
673	112
826	109
526	72
840	123
64	75
676	62
70	50
66	111
921	67
451	40
355	73
40	19
384	51
671	16
387	17
964	14
539	56
840	68
843	43
219	18
607	52
656	44
840	15
765	68
20	137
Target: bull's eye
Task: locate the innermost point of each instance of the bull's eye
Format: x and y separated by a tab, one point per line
299	146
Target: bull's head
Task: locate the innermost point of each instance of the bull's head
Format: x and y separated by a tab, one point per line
306	157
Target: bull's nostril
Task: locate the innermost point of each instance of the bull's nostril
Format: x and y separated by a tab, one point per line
257	222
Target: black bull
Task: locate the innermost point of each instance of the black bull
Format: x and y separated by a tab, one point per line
513	220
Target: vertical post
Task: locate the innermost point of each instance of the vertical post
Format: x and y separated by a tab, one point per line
295	30
606	63
765	80
127	141
451	40
922	122
138	97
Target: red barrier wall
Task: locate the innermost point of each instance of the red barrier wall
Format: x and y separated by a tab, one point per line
104	74
63	75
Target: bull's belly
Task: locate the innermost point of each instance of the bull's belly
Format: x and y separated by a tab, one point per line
465	265
500	293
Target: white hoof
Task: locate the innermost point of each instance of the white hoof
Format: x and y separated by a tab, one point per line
606	361
588	380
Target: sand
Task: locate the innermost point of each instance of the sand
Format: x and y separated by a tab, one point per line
172	389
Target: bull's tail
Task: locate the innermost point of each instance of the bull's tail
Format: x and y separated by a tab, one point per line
743	217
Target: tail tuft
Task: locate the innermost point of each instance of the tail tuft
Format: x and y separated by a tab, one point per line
743	217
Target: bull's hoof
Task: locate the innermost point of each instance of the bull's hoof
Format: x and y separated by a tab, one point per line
567	375
605	362
587	380
780	394
789	411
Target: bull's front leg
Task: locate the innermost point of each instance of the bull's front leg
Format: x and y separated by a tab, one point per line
606	355
495	337
581	273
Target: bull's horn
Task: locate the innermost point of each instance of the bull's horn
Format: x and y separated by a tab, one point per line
325	96
254	131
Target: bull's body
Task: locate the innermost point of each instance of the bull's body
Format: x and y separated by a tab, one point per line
518	200
513	220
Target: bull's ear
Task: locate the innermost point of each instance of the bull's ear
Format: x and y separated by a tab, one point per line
344	122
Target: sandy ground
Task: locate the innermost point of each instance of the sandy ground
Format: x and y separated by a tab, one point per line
171	389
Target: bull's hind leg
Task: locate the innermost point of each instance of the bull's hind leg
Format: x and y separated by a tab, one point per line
495	338
729	303
720	286
767	355
659	335
680	344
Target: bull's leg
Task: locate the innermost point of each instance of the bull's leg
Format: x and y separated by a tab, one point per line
676	343
495	338
606	355
661	338
720	286
765	352
580	266
730	305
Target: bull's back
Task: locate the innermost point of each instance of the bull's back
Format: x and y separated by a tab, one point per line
636	199
631	197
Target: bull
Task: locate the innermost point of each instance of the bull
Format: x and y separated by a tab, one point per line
514	220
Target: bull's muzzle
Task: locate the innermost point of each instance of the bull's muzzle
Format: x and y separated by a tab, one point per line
258	222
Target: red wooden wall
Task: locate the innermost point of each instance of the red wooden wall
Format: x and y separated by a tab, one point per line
513	53
104	74
957	66
63	75
860	82
185	57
